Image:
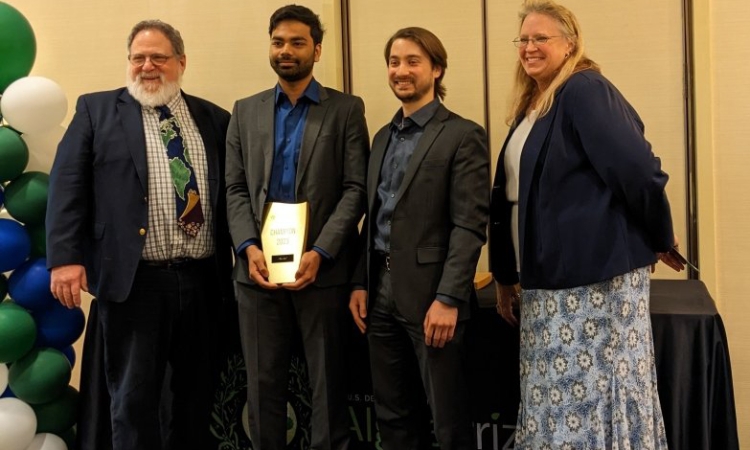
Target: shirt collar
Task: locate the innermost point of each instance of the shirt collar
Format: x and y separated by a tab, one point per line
420	117
172	104
311	93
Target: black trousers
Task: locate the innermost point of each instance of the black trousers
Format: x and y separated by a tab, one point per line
269	321
157	354
399	358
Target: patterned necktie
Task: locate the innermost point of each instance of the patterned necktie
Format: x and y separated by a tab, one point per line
189	211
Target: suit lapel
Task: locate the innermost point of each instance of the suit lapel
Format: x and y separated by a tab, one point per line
266	131
379	146
431	132
313	123
132	121
534	150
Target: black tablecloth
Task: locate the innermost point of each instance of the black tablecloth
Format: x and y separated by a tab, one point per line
692	361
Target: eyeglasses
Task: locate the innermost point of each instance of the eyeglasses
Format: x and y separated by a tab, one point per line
537	41
156	59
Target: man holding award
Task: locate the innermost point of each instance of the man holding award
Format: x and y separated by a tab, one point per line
296	168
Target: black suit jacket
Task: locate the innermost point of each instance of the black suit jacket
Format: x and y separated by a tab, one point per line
330	176
98	194
440	218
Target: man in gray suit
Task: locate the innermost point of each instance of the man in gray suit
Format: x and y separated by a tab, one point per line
428	204
296	142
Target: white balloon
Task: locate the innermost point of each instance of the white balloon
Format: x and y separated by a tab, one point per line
17	424
47	441
42	148
33	104
3	375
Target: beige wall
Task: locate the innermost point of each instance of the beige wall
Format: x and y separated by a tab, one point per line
723	166
81	45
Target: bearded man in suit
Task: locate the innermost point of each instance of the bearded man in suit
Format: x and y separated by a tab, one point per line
136	216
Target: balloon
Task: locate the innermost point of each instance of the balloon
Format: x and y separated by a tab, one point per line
17	332
3	287
70	353
58	326
43	147
26	197
47	441
69	436
17	46
17	423
14	155
41	376
8	393
15	245
38	237
34	104
28	285
3	377
58	415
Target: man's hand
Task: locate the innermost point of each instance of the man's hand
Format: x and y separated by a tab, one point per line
66	284
358	308
307	272
671	259
256	263
440	324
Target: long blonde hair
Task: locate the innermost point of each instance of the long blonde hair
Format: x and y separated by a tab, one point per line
524	87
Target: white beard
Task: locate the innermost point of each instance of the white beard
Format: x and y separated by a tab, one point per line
166	92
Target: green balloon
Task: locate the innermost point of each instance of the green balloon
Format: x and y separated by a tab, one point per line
26	197
38	236
69	436
3	287
17	332
39	377
58	415
17	46
14	155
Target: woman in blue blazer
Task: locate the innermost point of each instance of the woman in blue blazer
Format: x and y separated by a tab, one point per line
579	215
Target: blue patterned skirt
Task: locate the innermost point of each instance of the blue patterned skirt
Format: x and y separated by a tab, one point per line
588	379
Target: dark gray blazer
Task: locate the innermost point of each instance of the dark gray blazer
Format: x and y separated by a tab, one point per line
330	176
440	218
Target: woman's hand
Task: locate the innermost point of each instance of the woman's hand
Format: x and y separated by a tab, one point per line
507	297
671	258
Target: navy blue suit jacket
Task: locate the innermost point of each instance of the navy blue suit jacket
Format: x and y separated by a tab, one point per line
98	194
592	203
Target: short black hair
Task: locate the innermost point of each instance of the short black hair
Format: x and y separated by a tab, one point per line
299	14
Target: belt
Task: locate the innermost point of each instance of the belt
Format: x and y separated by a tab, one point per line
176	263
383	259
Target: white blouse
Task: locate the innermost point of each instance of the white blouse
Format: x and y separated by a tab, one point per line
512	163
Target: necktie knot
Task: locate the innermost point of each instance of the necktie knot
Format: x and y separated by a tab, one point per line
164	112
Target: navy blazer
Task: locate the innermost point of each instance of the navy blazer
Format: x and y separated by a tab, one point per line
591	199
98	194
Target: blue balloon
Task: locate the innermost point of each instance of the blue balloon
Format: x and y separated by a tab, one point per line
70	353
8	393
58	327
28	285
15	245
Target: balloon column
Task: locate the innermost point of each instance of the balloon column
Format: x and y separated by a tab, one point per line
37	406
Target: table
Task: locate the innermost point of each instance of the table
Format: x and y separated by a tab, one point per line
692	362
